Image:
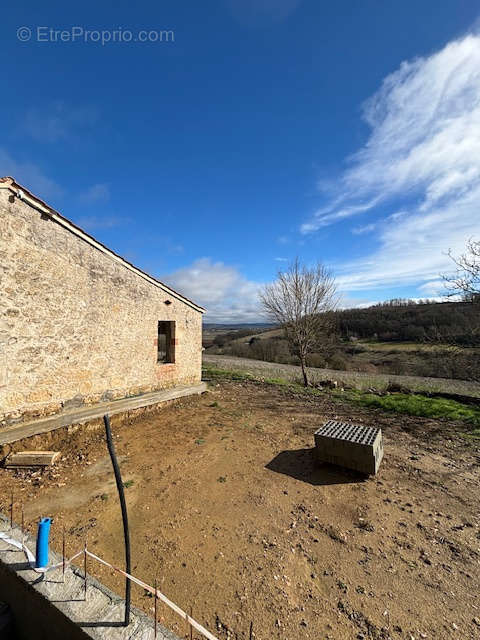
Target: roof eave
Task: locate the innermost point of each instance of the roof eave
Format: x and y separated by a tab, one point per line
43	207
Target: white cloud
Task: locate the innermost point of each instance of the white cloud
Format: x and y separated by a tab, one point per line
330	214
413	250
433	288
367	228
424	148
30	175
99	192
92	223
221	289
347	302
435	299
57	121
281	259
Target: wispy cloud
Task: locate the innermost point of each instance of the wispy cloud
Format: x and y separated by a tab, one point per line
99	192
433	288
30	175
221	289
331	213
58	121
281	259
367	228
94	222
423	149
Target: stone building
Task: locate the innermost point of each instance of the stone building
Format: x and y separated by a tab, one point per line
78	323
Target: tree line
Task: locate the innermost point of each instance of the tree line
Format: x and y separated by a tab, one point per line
412	321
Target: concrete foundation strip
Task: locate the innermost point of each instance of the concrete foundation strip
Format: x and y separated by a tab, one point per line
144	585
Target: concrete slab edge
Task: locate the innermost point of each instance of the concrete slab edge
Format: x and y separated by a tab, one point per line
10	435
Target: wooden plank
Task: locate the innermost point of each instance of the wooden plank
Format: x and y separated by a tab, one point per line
31	459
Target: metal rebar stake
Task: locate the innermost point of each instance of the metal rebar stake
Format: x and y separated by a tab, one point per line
155	615
63	553
85	571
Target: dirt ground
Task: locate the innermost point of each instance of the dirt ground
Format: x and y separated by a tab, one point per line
229	511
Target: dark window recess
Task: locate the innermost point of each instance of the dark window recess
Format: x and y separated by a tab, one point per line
166	342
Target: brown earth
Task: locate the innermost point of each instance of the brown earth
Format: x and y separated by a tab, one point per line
229	511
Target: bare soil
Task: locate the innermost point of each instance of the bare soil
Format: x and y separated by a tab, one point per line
230	512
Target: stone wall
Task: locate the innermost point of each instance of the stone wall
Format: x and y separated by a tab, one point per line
76	325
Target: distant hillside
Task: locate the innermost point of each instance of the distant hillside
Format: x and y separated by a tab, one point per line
404	320
231	327
220	334
400	337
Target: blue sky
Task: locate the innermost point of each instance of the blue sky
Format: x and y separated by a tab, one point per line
345	132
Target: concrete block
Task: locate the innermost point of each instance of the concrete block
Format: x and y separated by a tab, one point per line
356	447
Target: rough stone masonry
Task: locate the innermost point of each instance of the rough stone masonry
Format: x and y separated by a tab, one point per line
78	324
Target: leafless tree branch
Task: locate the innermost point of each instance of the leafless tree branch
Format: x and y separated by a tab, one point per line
466	280
301	301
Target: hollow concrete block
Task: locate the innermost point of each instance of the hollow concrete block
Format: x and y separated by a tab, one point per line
352	446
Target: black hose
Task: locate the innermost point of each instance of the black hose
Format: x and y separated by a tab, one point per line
123	505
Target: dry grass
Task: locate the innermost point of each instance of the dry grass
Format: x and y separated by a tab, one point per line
354	379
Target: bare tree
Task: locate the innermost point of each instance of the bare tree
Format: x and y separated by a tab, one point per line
300	301
466	280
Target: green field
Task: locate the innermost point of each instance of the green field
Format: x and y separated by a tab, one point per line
402	403
419	405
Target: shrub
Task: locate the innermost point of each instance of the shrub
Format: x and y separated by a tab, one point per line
316	360
338	362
